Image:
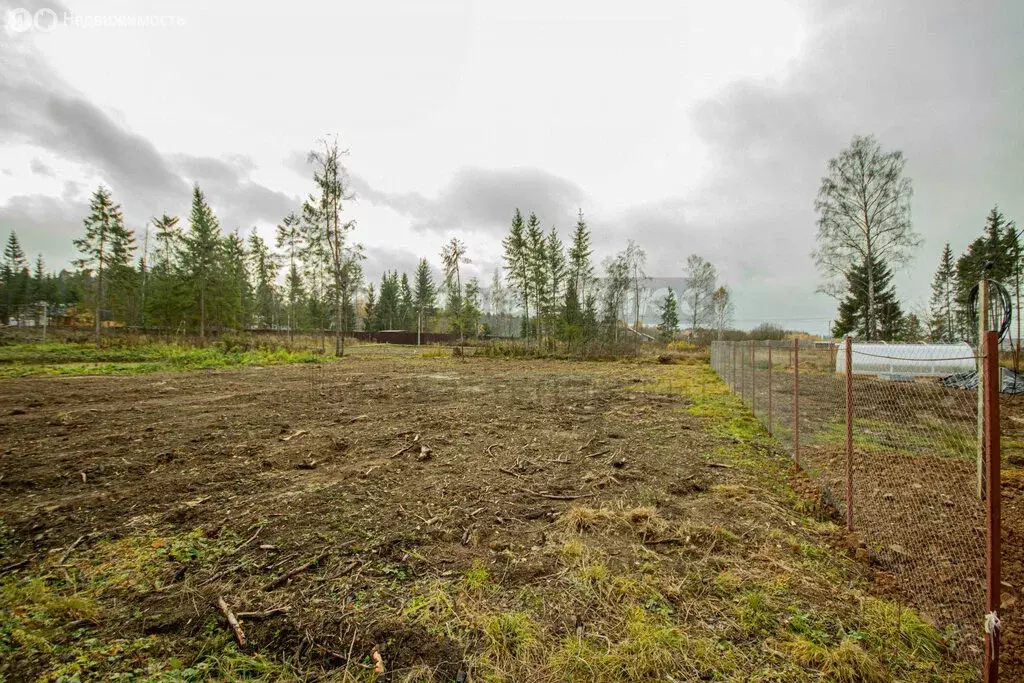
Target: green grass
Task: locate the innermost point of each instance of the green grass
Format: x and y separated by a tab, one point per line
877	436
60	359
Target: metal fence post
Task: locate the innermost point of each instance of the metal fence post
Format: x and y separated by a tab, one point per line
796	402
849	434
743	376
753	378
992	484
769	388
733	346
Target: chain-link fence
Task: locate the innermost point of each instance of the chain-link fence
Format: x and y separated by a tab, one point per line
892	453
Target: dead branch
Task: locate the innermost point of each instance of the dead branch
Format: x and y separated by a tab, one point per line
232	621
292	436
604	452
719	464
294	572
247	542
257	616
64	557
586	445
405	450
357	418
14	565
489	449
552	496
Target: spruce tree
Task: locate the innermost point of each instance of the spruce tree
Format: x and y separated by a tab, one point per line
15	279
469	314
288	237
581	270
453	254
202	255
233	303
168	296
264	268
669	324
370	310
942	311
425	294
855	315
104	248
517	264
538	264
406	306
556	270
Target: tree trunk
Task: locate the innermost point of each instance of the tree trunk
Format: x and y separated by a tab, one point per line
202	314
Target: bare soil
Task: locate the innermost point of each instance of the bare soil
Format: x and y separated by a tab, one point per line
379	473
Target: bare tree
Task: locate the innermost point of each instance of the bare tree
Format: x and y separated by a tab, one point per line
698	289
863	210
452	254
635	259
721	306
324	212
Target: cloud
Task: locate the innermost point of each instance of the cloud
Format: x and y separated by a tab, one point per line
38	108
482	200
46	225
929	78
41	169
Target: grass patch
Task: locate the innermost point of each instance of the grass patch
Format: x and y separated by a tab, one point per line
67	359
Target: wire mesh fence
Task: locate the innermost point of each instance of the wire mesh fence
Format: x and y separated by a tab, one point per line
892	453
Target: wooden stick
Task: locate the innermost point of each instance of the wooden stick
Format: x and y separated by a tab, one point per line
604	452
232	621
64	557
404	450
294	572
14	565
719	464
552	496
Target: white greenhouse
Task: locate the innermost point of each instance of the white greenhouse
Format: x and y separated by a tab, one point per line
906	361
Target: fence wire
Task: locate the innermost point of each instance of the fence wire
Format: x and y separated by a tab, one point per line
914	479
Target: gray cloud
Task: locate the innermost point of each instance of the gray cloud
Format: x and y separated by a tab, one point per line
482	200
39	109
40	168
46	225
938	80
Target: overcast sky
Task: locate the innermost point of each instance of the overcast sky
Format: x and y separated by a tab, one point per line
691	127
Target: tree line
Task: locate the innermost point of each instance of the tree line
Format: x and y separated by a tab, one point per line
199	278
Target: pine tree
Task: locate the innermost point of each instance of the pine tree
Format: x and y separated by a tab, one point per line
15	280
854	311
425	294
517	264
669	324
406	306
453	254
944	287
104	248
581	270
202	255
537	260
233	303
289	237
370	310
469	315
168	296
264	268
556	272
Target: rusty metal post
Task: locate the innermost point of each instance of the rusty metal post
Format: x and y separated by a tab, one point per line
769	388
796	402
993	495
982	331
849	434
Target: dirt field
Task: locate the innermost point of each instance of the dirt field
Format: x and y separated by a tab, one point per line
429	516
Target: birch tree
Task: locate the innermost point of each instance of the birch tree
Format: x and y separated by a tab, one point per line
863	208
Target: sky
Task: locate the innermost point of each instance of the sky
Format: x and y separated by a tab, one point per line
689	127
